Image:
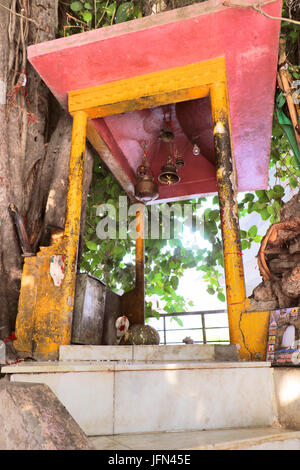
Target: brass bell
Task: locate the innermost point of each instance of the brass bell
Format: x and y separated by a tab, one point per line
166	135
146	189
168	173
179	162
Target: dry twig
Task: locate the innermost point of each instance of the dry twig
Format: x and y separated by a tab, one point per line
258	7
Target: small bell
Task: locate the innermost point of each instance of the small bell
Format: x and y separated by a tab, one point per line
168	173
196	150
146	189
166	135
179	162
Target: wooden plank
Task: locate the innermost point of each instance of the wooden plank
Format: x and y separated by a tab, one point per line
108	158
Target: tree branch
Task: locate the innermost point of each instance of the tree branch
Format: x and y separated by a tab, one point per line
18	14
258	7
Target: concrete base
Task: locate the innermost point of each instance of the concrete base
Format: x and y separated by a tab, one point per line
115	398
150	404
32	418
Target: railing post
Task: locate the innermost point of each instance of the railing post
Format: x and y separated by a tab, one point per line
165	333
203	328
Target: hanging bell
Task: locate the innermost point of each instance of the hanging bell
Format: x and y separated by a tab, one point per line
179	162
168	173
146	189
166	135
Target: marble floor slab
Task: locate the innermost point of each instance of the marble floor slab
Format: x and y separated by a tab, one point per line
263	438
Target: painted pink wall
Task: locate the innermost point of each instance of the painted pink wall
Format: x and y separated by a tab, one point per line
247	40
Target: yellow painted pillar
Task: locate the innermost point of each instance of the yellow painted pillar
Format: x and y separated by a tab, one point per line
140	267
45	313
74	196
133	302
233	264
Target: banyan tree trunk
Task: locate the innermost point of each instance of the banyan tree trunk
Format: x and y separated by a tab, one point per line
279	262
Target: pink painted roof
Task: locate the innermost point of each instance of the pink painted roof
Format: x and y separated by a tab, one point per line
247	40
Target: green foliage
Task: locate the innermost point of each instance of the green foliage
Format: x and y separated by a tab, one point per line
113	261
286	174
83	16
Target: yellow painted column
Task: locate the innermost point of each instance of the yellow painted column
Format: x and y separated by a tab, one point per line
140	267
233	264
74	196
133	302
44	320
53	324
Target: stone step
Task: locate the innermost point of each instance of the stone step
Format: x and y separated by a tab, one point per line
255	438
149	353
108	398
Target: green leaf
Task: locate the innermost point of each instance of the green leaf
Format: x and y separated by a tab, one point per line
91	245
137	13
293	182
278	191
265	214
87	6
262	196
174	281
178	320
257	238
210	226
221	297
203	268
252	232
207	214
76	6
244	244
124	12
249	197
87	16
110	10
214	215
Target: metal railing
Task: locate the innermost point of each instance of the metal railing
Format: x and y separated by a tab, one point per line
202	327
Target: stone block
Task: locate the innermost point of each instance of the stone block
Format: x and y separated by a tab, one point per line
226	352
95	353
32	418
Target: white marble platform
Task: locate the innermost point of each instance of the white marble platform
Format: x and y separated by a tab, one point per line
36	367
108	398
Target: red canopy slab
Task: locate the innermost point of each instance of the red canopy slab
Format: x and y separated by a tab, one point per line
247	40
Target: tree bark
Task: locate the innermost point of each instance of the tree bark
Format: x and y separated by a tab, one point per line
35	145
